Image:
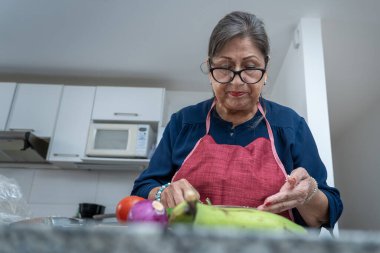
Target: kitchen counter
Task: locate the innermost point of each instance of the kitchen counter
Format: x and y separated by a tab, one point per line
178	239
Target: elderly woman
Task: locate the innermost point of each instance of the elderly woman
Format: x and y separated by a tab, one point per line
239	148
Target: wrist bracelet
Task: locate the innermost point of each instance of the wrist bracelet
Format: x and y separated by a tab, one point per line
311	195
160	190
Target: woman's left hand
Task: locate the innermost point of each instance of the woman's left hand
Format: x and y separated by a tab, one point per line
297	189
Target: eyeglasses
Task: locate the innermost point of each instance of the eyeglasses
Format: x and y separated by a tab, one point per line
248	75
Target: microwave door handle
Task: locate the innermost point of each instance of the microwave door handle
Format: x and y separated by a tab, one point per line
126	114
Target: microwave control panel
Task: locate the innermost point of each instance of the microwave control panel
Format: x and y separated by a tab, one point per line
144	140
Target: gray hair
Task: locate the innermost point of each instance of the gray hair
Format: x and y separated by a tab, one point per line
239	24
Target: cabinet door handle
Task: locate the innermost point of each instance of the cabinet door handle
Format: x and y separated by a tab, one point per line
21	129
126	114
66	155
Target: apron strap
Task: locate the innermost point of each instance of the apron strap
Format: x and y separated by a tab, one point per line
276	157
271	138
208	117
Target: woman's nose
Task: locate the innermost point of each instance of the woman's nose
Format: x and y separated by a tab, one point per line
237	80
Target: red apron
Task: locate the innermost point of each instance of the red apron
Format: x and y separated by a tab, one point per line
234	175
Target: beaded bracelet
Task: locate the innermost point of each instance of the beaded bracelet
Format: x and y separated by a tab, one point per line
160	190
311	195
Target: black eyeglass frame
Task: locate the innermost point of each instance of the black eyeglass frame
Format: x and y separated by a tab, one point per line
263	70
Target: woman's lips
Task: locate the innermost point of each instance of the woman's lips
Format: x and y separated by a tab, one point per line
236	93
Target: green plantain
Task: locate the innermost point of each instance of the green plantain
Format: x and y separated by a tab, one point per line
192	211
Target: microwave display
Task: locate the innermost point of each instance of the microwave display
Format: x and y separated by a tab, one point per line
111	139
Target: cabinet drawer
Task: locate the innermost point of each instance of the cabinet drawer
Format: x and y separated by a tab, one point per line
70	136
128	103
35	108
6	96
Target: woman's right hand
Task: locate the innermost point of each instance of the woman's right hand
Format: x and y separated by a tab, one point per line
174	193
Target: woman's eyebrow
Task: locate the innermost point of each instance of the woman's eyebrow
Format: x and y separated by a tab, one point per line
251	56
223	57
245	58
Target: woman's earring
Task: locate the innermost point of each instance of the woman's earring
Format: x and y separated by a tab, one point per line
265	82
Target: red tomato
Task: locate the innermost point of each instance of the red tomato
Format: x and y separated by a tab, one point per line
124	206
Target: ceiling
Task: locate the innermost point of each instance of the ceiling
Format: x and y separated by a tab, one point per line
162	43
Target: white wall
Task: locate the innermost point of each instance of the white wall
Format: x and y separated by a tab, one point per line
289	87
301	85
58	192
357	159
175	100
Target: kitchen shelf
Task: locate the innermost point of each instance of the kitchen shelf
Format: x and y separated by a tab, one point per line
113	163
28	165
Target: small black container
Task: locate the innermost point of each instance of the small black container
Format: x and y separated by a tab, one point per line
88	210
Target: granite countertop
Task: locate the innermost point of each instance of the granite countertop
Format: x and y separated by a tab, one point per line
147	238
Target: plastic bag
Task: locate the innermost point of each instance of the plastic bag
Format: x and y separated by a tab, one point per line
13	206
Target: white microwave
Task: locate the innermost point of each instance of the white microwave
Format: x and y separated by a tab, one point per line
120	140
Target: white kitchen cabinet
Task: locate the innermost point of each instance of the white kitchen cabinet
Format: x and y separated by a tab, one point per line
74	116
6	97
35	108
128	104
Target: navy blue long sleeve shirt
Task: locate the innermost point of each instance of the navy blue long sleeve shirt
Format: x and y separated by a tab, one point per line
294	144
